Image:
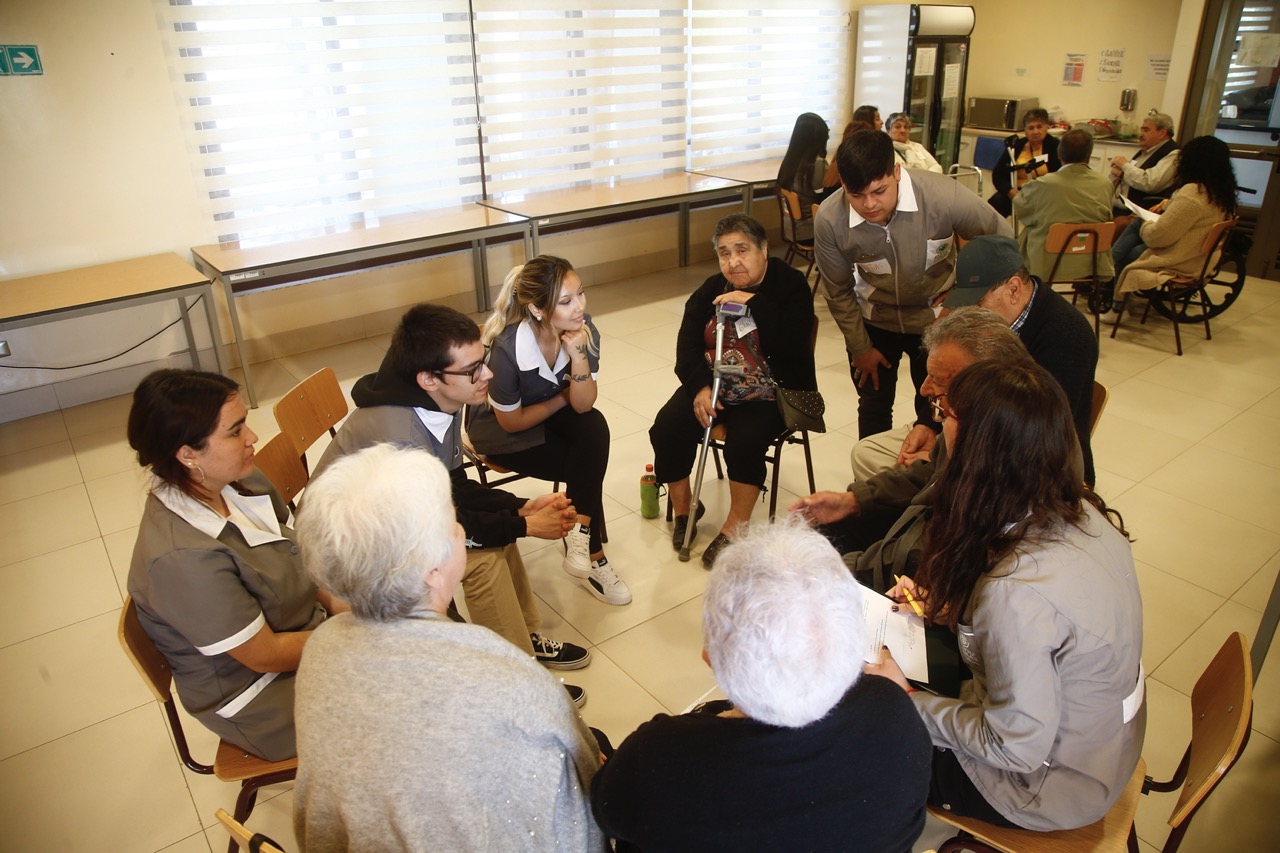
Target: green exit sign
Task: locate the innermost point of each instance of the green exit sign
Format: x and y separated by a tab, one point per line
20	60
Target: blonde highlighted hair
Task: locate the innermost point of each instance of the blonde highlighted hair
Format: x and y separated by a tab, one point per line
535	284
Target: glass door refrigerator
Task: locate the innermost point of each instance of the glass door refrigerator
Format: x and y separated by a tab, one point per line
913	58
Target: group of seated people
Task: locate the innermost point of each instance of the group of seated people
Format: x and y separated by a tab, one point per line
1049	180
414	729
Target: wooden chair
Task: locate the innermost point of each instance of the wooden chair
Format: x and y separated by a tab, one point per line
1074	239
1181	292
1100	396
231	763
1221	714
281	463
774	456
241	837
789	210
312	406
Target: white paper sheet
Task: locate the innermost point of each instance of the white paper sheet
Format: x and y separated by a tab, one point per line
902	632
1139	211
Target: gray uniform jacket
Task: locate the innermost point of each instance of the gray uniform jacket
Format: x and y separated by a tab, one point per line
888	275
1053	636
198	597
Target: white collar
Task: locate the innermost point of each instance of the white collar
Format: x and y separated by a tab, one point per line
437	423
906	200
529	354
253	515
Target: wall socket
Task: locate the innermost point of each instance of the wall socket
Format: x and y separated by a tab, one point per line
4	349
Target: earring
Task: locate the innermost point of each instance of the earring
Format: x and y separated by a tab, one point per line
196	467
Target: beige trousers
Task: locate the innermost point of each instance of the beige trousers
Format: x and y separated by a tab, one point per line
498	595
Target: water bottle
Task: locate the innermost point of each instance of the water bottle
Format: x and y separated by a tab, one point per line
648	493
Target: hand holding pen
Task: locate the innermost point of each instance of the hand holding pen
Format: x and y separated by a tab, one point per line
903	587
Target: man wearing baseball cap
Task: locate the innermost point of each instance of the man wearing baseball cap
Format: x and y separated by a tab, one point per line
991	273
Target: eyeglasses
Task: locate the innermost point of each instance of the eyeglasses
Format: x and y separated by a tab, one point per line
935	406
472	372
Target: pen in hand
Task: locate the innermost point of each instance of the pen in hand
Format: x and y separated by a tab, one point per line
911	599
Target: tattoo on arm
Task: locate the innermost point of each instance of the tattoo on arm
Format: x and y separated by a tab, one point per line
580	377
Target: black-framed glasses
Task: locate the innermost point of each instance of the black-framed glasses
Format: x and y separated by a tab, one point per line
472	372
935	406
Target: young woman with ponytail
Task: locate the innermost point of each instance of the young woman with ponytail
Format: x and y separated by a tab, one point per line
541	418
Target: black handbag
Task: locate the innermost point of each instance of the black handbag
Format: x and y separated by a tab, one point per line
799	409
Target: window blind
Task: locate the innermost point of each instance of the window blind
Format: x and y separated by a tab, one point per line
570	96
317	116
754	67
310	116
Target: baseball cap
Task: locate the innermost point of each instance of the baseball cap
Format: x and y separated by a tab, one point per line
983	263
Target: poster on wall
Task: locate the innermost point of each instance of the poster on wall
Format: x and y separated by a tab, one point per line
1073	70
1111	64
1158	66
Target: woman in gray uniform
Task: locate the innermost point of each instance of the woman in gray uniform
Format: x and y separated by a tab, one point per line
215	575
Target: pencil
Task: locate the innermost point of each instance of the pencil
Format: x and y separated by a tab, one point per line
911	599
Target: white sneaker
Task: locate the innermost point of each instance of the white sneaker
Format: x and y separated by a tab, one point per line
577	553
605	585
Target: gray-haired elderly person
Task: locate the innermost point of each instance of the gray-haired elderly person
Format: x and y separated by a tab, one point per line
416	732
812	754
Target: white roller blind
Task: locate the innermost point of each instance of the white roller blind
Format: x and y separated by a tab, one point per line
754	67
313	116
580	95
309	116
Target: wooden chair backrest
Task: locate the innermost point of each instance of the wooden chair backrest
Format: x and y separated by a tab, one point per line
1100	396
1079	238
1217	236
793	203
312	406
142	651
241	835
1221	713
281	462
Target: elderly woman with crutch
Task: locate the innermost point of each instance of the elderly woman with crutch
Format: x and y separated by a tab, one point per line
769	339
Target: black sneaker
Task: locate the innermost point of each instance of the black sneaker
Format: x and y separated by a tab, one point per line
554	654
681	523
577	695
713	550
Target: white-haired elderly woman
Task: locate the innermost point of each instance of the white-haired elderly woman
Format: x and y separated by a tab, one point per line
416	732
812	755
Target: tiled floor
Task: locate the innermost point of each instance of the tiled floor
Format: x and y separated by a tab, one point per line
1184	451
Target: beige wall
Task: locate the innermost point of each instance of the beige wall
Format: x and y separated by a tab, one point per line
93	168
1019	49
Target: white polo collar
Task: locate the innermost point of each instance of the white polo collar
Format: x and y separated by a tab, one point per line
529	354
437	423
253	515
906	199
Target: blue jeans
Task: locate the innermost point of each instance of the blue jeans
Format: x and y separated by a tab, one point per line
1128	247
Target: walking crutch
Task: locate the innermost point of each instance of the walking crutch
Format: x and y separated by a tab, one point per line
725	313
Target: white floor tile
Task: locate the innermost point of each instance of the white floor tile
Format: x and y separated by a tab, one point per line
64	681
115	785
79	578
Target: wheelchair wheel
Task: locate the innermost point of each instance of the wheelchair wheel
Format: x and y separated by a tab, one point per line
1222	289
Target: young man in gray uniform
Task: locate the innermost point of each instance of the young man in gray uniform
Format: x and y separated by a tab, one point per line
885	247
434	367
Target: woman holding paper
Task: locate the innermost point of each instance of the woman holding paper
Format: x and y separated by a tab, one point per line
1035	576
1204	195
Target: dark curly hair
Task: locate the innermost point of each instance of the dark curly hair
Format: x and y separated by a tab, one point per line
1206	161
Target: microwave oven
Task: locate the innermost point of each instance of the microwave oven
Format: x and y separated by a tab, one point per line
999	113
